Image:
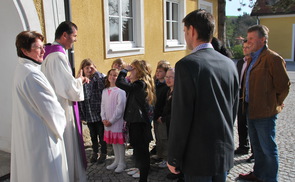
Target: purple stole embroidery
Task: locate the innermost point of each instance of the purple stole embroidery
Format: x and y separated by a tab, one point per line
49	48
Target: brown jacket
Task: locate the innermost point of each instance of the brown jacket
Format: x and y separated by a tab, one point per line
268	85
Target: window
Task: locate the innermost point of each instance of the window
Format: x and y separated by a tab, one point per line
174	12
122	18
206	6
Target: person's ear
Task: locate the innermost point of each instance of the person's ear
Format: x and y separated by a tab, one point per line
25	52
194	32
64	35
264	40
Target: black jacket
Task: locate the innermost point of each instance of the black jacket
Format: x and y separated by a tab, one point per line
135	114
136	104
161	93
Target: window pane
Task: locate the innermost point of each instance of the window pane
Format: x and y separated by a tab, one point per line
168	30
175	30
175	11
114	29
167	11
127	29
114	7
127	8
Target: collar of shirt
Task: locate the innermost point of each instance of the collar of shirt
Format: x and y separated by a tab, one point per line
202	46
245	59
158	82
255	55
32	60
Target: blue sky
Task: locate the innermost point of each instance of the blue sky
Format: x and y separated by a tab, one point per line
233	5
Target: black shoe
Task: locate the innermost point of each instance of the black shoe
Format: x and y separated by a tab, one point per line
241	151
101	158
94	157
250	159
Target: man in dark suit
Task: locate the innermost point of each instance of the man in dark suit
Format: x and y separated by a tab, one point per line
204	106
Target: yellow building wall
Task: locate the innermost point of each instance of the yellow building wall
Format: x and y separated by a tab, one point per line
89	17
280	34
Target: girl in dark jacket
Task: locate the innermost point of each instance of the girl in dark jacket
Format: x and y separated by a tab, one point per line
140	97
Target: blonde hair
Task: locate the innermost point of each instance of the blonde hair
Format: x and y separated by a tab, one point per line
107	82
144	73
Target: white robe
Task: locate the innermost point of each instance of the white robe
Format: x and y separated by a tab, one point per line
56	68
38	123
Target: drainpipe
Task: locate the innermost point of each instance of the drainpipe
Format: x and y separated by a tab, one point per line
258	20
68	16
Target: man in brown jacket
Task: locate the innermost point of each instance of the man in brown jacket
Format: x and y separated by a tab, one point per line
266	86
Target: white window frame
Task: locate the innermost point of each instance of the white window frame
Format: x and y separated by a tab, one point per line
179	44
126	48
208	6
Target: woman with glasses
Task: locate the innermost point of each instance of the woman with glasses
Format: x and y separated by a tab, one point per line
38	120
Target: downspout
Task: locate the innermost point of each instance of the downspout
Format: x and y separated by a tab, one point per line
68	16
258	20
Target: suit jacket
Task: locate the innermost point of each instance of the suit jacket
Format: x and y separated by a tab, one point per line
204	106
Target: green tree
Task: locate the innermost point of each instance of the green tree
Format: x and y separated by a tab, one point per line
237	27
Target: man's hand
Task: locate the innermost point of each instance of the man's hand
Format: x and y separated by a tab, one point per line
83	78
172	169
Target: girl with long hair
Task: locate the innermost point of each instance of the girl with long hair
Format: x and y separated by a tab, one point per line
140	98
112	110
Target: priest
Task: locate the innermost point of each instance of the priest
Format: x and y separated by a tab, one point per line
57	69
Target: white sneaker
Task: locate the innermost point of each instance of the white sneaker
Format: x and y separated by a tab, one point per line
129	169
132	172
112	166
120	168
136	175
162	164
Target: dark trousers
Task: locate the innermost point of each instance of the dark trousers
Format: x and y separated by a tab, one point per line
242	127
140	137
97	129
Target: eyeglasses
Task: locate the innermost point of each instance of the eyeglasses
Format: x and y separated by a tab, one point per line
39	47
169	77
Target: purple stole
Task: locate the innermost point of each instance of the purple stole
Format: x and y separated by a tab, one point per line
49	48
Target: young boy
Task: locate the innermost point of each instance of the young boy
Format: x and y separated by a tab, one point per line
159	128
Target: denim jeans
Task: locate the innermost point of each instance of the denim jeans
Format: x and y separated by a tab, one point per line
262	136
218	178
